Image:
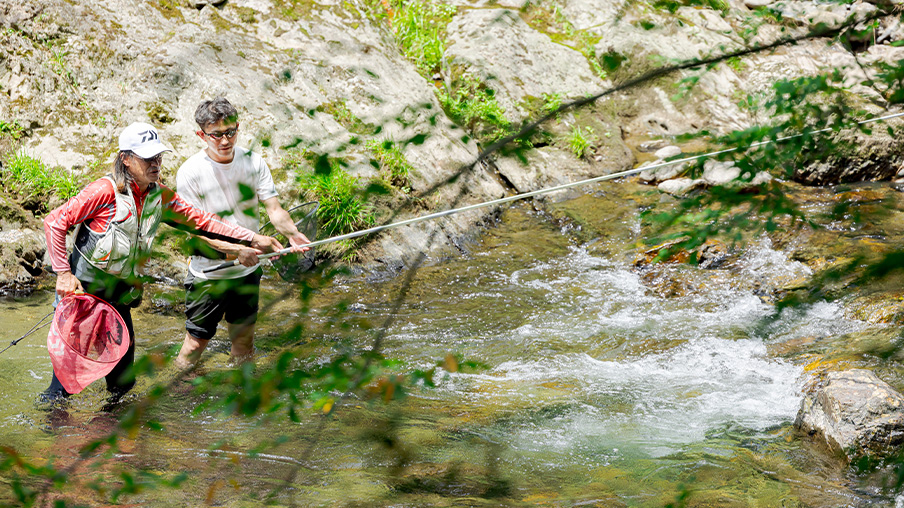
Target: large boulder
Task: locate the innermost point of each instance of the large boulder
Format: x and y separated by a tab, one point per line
855	414
21	248
858	157
21	260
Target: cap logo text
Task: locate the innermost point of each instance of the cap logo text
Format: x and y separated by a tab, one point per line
148	136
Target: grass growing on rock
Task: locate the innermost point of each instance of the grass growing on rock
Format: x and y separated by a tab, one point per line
580	139
473	105
392	164
419	28
343	206
28	176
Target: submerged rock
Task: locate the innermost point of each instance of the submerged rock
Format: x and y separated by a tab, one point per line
855	414
680	186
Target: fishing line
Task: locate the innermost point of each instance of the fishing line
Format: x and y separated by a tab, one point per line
509	199
34	328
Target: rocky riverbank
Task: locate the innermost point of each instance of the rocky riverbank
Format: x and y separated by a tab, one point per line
323	77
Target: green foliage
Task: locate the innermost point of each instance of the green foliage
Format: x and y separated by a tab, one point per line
890	79
672	6
342	207
612	60
25	175
472	104
551	102
580	140
392	163
346	118
419	27
736	64
11	129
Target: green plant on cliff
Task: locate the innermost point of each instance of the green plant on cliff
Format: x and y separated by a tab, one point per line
392	163
419	27
343	206
11	129
339	110
580	139
25	175
473	105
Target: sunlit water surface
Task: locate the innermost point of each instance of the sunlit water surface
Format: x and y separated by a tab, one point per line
593	389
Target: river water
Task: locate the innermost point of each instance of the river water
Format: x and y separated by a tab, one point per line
595	386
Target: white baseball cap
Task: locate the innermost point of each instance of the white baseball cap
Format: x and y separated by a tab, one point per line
142	139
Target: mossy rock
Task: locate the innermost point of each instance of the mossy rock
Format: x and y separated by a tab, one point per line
13	216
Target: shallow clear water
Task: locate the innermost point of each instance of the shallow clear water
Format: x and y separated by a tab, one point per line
596	389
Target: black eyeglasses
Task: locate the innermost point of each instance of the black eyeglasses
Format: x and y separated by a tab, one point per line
219	135
150	160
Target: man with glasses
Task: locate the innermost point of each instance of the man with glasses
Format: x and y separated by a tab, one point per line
117	218
230	181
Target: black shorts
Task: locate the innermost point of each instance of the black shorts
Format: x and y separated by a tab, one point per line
207	301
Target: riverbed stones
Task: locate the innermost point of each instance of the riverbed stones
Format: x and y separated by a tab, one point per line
659	173
667	151
854	413
681	186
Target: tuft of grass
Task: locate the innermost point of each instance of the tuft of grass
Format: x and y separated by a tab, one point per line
342	207
672	6
25	175
392	163
579	140
11	129
551	102
473	105
419	28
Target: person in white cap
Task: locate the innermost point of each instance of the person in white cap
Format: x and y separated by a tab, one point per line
118	216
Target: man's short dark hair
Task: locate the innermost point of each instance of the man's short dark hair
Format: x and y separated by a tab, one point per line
213	111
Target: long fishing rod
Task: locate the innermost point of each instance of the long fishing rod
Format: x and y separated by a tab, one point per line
34	328
509	199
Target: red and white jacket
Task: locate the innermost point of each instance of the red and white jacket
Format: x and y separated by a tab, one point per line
117	229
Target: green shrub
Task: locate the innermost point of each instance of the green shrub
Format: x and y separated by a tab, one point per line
393	165
26	175
11	129
419	28
473	105
580	140
342	209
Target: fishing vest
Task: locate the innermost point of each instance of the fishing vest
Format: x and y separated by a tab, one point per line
126	241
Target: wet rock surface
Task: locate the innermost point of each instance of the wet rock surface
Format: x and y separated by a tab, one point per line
854	413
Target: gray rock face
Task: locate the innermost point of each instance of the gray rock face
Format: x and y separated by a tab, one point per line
517	61
855	413
21	260
864	158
